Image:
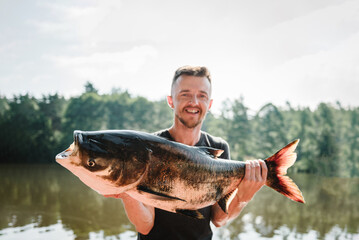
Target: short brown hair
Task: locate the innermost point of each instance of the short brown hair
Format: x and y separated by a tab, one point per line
197	71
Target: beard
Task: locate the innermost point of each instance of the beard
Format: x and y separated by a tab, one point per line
189	124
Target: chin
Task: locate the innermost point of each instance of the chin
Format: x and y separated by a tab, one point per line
192	124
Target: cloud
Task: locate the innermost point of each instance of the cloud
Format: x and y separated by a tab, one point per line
279	50
102	65
306	59
76	20
324	76
306	34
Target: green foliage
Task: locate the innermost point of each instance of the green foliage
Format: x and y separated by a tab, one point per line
238	129
329	135
90	88
26	132
35	130
270	130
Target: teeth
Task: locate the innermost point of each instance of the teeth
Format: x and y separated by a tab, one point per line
192	111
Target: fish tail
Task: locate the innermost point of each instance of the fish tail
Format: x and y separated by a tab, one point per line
277	169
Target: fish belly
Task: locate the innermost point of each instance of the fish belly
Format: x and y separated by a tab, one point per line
183	196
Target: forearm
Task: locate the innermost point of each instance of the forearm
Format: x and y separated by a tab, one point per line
139	214
255	177
220	218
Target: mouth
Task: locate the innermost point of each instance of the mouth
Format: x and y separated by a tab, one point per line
192	110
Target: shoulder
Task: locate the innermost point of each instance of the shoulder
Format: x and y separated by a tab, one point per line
162	133
213	140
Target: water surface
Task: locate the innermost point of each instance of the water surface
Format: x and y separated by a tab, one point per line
49	202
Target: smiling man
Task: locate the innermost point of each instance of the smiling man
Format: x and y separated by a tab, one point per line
190	100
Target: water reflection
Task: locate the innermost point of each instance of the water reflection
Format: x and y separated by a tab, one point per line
331	203
45	195
48	202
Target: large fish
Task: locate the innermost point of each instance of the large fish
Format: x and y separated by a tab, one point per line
166	174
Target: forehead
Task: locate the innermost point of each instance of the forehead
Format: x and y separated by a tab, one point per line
192	83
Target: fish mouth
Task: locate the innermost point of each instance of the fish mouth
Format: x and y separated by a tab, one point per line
67	153
73	149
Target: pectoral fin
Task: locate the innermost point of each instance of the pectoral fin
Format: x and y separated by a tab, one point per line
213	152
157	195
190	213
226	200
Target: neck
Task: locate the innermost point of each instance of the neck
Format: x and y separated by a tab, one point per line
185	135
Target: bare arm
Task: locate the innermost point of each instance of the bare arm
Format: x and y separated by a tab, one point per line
140	215
254	178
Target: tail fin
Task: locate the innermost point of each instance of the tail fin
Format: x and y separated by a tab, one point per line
277	168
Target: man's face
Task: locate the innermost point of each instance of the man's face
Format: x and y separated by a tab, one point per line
190	99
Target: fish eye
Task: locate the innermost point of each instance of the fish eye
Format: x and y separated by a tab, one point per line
91	162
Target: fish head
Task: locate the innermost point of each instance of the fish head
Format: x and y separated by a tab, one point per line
106	161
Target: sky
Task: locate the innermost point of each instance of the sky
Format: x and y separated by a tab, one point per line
304	52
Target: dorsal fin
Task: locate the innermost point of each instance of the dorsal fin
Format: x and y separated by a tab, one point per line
213	152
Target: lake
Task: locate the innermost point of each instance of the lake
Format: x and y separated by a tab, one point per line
49	202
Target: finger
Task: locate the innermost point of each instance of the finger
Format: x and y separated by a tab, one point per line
119	195
109	196
253	170
257	170
264	169
247	174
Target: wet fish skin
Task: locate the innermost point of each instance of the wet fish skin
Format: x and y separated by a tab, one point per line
163	173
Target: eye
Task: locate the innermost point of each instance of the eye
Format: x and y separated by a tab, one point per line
91	162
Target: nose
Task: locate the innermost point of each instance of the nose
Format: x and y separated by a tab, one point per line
194	100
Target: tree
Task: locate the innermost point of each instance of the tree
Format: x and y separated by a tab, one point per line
353	163
142	114
270	132
86	112
35	130
327	146
306	149
25	132
4	106
238	129
117	109
89	88
53	107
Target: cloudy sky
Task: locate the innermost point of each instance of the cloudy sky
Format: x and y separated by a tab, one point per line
301	51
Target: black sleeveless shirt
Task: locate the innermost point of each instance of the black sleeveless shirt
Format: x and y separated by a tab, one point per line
174	226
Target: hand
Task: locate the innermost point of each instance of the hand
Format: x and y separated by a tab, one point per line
254	179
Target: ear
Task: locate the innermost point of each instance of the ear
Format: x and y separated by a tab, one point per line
210	104
170	102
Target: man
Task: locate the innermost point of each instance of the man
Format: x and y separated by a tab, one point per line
191	99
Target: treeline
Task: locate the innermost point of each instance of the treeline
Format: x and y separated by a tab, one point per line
35	130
